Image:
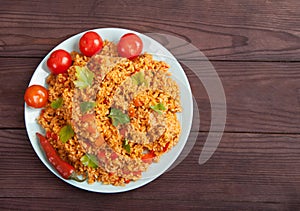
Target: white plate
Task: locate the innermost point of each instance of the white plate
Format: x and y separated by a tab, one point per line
185	118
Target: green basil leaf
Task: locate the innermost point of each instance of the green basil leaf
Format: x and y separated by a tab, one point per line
158	108
57	103
86	106
89	160
65	133
126	146
84	77
139	78
118	117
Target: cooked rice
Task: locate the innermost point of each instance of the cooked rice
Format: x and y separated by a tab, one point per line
148	131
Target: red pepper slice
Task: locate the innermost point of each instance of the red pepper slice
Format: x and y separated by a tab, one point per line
131	112
147	158
66	170
137	102
166	147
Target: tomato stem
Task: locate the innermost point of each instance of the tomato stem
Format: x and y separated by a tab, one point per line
74	176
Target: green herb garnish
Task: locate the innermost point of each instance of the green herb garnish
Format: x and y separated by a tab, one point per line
86	106
158	108
89	160
84	77
65	133
118	117
57	103
126	145
139	78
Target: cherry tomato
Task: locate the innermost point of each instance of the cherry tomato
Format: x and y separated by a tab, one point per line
90	43
59	61
130	46
36	96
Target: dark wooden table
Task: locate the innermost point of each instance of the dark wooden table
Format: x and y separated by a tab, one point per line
254	47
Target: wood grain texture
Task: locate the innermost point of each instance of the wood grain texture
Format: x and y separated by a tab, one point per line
254	47
261	96
112	202
240	174
235	30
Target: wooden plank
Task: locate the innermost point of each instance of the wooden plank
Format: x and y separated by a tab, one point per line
114	202
237	30
261	96
255	49
15	75
256	170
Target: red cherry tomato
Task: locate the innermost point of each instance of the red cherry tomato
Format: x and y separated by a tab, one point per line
59	61
90	43
36	96
130	46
